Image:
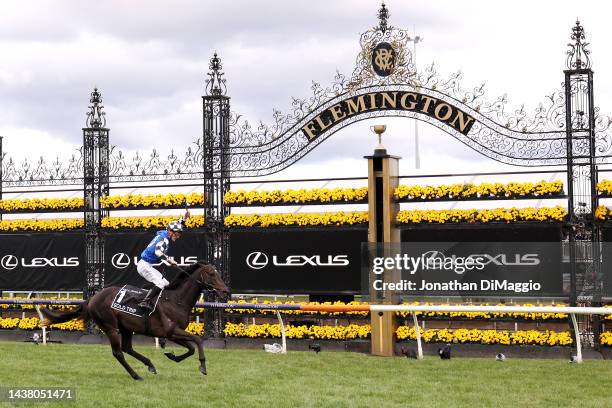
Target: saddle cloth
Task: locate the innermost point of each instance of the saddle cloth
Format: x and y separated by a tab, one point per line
127	300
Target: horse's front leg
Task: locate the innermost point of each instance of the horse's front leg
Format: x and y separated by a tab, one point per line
181	335
189	352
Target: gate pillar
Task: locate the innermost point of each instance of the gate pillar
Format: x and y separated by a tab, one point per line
383	172
95	186
216	161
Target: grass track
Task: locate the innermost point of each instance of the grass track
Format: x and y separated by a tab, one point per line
247	378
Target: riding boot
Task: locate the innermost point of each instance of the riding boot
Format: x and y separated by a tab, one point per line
148	299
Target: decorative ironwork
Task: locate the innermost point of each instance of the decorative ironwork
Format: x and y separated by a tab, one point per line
188	166
58	172
578	55
215	84
383	16
96	117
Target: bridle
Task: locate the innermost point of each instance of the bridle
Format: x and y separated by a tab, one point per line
206	286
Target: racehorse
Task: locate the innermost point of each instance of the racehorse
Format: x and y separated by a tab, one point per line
169	320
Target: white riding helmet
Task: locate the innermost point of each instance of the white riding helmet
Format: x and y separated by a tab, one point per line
175	226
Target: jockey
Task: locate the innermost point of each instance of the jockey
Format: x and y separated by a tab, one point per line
153	253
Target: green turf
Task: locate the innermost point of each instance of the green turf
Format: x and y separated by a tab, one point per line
247	378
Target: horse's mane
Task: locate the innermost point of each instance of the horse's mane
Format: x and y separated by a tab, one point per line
182	276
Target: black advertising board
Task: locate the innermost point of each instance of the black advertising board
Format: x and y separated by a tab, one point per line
466	269
122	251
297	261
493	232
55	261
551	273
42	261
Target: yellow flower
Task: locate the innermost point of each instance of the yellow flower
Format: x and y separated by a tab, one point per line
296	219
148	222
551	214
301	196
62	224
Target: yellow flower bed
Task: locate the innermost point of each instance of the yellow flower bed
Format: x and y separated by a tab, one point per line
114	202
487	315
61	224
524	337
350	332
461	315
149	222
33	323
296	219
603	213
195	328
30	306
604	187
353	331
35	204
416	192
482	216
483	190
296	312
9	322
605	338
155	201
301	196
65	224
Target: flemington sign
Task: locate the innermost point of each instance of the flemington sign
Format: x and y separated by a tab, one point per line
382	101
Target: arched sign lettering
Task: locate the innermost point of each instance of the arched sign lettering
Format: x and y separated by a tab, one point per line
381	101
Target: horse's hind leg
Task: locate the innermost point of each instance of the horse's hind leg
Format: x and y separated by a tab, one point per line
126	346
188	353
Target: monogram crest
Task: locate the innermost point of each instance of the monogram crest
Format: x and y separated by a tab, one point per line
383	59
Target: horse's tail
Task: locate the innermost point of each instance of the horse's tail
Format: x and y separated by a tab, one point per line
52	317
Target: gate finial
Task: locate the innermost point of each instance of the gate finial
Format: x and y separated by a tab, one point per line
215	84
383	16
578	55
96	117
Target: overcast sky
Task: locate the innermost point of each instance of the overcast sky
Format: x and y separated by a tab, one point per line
149	59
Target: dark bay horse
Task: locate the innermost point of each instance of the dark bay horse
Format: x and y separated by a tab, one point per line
169	320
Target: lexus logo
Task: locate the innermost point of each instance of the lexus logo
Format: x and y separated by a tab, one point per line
257	260
9	262
120	260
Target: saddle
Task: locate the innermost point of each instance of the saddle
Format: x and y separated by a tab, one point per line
127	300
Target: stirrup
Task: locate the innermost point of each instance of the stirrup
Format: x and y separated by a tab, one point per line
146	301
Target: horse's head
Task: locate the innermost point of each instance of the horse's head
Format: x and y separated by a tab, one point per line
212	280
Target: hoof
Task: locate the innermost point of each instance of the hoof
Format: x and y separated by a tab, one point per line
203	370
138	378
170	355
152	370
